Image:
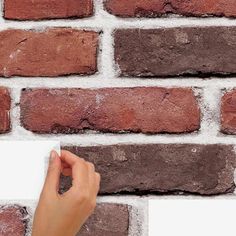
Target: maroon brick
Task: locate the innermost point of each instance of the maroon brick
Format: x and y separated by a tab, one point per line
47	9
107	220
5	106
228	113
52	52
154	8
161	168
185	51
12	221
147	110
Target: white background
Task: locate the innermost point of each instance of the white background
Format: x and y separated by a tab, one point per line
171	217
23	167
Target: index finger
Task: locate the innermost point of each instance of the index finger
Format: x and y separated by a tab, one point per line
79	169
69	157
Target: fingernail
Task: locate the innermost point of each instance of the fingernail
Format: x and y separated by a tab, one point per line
52	156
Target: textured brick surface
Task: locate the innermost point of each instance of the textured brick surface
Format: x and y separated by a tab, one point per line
12	221
53	52
228	113
107	220
176	51
47	9
153	8
146	110
202	169
5	105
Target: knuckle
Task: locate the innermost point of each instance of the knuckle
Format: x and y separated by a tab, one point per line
65	153
81	162
98	176
91	166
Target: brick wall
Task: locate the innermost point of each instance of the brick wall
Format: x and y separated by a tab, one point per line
143	89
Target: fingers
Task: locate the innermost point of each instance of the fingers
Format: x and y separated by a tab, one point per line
65	169
97	181
79	169
68	157
84	177
94	179
53	174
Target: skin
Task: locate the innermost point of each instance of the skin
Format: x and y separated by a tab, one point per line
64	214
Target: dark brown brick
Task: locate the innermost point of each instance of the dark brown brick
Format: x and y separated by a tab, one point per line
107	220
52	52
47	9
5	106
12	221
228	113
154	8
176	51
146	110
160	168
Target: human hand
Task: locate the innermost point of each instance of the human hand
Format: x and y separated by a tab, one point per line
64	215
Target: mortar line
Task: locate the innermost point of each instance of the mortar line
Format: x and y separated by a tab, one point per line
100	80
96	23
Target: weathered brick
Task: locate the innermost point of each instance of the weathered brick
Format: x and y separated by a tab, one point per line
107	220
52	52
5	106
161	168
146	110
47	9
154	8
176	51
228	113
12	221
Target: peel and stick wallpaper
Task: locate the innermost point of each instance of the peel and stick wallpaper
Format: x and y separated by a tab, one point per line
143	89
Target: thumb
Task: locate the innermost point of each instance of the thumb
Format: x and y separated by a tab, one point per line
53	174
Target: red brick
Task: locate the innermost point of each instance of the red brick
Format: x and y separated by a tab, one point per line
146	110
161	168
5	106
108	220
154	8
12	221
228	113
187	51
52	52
47	9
